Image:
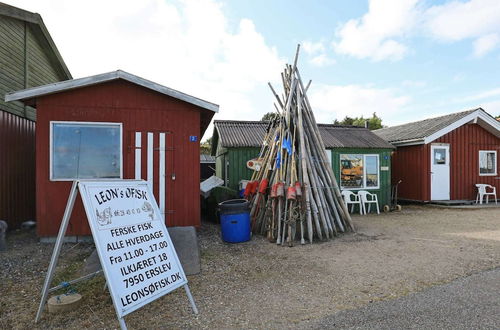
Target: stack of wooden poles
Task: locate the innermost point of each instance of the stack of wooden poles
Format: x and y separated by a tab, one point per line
293	191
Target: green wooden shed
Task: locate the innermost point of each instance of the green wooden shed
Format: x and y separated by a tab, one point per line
360	159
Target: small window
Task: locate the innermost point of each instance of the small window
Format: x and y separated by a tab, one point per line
487	162
359	171
371	168
439	156
85	151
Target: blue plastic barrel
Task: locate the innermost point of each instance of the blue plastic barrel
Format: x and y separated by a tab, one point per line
235	220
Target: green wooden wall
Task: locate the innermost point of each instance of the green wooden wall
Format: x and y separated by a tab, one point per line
384	190
25	62
237	170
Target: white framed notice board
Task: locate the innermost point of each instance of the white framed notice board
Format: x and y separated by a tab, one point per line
135	250
132	241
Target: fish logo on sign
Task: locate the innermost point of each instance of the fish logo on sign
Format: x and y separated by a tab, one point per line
104	217
146	207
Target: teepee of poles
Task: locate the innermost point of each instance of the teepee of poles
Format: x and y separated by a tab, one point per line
293	192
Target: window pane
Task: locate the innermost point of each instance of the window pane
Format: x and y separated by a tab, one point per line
487	162
351	171
439	156
371	171
85	151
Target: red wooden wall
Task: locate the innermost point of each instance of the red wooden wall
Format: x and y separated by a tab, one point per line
139	109
465	143
412	164
17	169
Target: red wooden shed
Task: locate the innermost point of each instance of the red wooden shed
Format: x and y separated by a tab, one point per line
443	158
116	125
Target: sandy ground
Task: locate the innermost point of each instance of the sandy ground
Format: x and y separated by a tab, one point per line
260	285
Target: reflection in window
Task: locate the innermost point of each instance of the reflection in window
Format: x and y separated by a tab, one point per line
487	162
371	170
85	151
439	156
351	171
359	171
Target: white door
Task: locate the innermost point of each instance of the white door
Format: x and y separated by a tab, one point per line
440	172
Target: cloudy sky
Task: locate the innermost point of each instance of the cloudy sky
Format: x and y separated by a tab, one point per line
403	59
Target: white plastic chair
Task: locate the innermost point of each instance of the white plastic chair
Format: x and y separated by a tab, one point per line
368	198
352	198
482	192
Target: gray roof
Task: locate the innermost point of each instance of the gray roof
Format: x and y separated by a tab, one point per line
207	158
425	131
232	133
35	20
33	93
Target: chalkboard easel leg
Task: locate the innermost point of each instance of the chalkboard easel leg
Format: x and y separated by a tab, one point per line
191	300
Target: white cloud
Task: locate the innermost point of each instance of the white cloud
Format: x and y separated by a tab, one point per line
185	45
317	53
480	96
322	60
312	48
475	19
374	35
458	20
493	107
335	102
485	44
380	34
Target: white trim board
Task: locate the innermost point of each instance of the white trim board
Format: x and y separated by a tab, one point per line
485	121
105	77
479	117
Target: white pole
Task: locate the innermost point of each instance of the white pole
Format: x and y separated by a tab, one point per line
123	325
191	300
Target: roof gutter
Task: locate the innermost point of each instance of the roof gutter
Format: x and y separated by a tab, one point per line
408	142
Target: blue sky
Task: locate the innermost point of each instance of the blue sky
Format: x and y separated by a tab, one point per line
403	59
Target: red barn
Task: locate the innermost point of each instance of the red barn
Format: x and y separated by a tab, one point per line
443	158
116	125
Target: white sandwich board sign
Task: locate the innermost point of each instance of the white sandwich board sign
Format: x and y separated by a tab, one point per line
136	253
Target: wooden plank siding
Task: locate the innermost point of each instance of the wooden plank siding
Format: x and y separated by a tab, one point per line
24	62
384	191
465	143
237	169
412	164
139	110
408	165
39	71
11	62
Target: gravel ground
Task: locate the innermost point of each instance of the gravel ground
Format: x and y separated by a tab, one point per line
260	285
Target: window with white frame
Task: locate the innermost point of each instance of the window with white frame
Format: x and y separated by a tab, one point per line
358	171
487	162
81	150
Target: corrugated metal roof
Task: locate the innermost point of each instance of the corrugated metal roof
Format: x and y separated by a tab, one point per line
350	137
234	134
207	158
419	130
